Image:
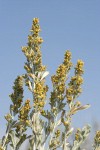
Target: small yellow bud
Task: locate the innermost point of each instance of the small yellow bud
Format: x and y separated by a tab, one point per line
35	20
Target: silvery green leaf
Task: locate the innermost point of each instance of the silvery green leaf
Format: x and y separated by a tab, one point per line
44	74
39	74
70	132
30	86
59	122
22	139
14	122
83	107
85	131
11	111
80	108
14	139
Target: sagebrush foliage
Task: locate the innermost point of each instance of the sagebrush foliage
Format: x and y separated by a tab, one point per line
45	125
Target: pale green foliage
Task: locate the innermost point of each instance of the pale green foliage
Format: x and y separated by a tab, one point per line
45	124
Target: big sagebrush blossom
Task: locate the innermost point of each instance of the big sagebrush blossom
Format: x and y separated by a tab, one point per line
48	119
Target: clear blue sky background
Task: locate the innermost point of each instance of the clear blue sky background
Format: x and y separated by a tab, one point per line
66	24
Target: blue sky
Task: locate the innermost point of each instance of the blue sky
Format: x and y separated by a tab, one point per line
66	24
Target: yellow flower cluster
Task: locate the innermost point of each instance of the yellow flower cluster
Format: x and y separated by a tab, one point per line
35	26
77	135
40	95
74	88
97	138
54	144
57	133
17	95
59	79
32	51
8	117
66	123
79	67
67	59
24	111
34	66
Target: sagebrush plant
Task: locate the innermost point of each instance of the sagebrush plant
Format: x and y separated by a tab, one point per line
50	126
